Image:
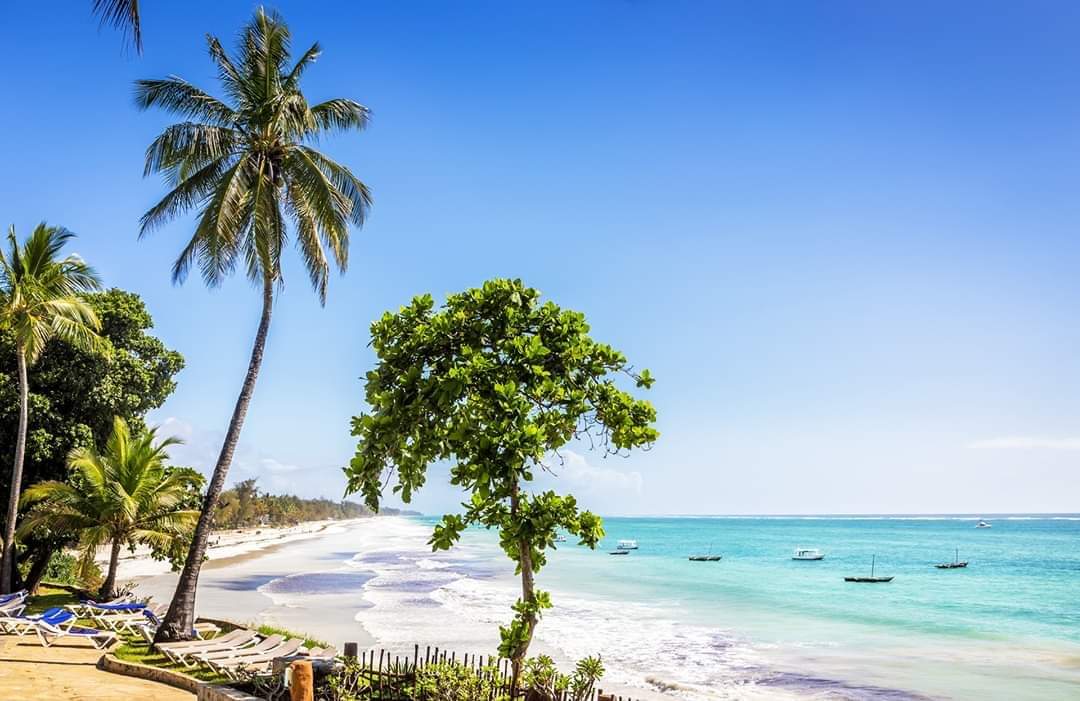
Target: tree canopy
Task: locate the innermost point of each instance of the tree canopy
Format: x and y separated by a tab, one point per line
74	395
495	382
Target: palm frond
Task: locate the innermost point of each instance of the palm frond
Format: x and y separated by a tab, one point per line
122	15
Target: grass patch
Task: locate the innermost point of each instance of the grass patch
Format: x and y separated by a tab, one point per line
49	597
138	651
309	642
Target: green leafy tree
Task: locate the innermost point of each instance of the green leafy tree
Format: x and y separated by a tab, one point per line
39	300
74	395
247	164
495	383
123	495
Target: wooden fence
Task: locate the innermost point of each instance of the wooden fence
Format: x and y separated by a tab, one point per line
388	670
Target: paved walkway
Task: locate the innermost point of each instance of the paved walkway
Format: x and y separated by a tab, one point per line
67	671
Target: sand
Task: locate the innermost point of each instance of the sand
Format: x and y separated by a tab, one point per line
68	670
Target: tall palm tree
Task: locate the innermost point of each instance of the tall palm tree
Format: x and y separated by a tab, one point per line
123	495
39	300
247	164
122	15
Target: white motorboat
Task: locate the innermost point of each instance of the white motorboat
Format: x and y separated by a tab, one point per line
983	524
627	545
808	554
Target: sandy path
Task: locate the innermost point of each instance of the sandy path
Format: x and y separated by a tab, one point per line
67	671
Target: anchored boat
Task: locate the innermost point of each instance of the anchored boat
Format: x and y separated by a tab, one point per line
954	565
808	554
871	579
627	545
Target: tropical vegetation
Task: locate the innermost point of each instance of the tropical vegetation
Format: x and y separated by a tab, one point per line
124	495
495	383
245	505
39	301
75	393
122	15
246	163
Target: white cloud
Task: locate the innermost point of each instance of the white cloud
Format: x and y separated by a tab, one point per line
573	469
1027	443
201	448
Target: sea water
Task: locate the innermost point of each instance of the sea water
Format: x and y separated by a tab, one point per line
756	624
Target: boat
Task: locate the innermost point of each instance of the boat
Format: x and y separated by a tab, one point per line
808	554
706	557
954	565
619	552
627	545
983	524
560	539
871	579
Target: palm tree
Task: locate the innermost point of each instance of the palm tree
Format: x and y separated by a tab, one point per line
247	164
122	15
39	300
124	495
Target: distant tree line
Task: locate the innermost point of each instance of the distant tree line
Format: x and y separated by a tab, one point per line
244	505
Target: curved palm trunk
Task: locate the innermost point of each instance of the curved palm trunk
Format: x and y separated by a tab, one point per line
178	622
108	588
7	566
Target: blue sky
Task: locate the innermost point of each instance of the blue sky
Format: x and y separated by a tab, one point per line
840	234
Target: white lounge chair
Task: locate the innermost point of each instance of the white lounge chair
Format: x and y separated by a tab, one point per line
264	645
48	634
233	667
179	651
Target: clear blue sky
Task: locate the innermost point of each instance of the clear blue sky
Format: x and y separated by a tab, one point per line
842	235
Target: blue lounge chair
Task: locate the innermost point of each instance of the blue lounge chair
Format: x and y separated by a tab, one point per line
21	625
49	633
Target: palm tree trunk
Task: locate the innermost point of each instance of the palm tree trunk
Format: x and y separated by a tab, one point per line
178	622
108	588
7	566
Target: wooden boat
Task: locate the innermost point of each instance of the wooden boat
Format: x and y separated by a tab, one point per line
954	565
871	579
707	557
619	552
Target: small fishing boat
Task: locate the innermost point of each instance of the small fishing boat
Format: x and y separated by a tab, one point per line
627	545
707	557
808	554
954	565
871	579
983	524
619	552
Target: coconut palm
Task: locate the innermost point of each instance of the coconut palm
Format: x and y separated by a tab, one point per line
39	300
124	495
247	165
123	15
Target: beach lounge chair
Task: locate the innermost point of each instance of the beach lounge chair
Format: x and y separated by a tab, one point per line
232	667
123	621
235	640
88	607
21	625
48	634
20	595
264	645
12	607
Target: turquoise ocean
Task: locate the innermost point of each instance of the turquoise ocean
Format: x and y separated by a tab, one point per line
755	625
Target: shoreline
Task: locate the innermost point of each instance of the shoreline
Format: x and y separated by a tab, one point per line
666	629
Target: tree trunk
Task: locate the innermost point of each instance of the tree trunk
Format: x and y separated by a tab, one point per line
108	587
528	593
38	565
178	622
7	566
